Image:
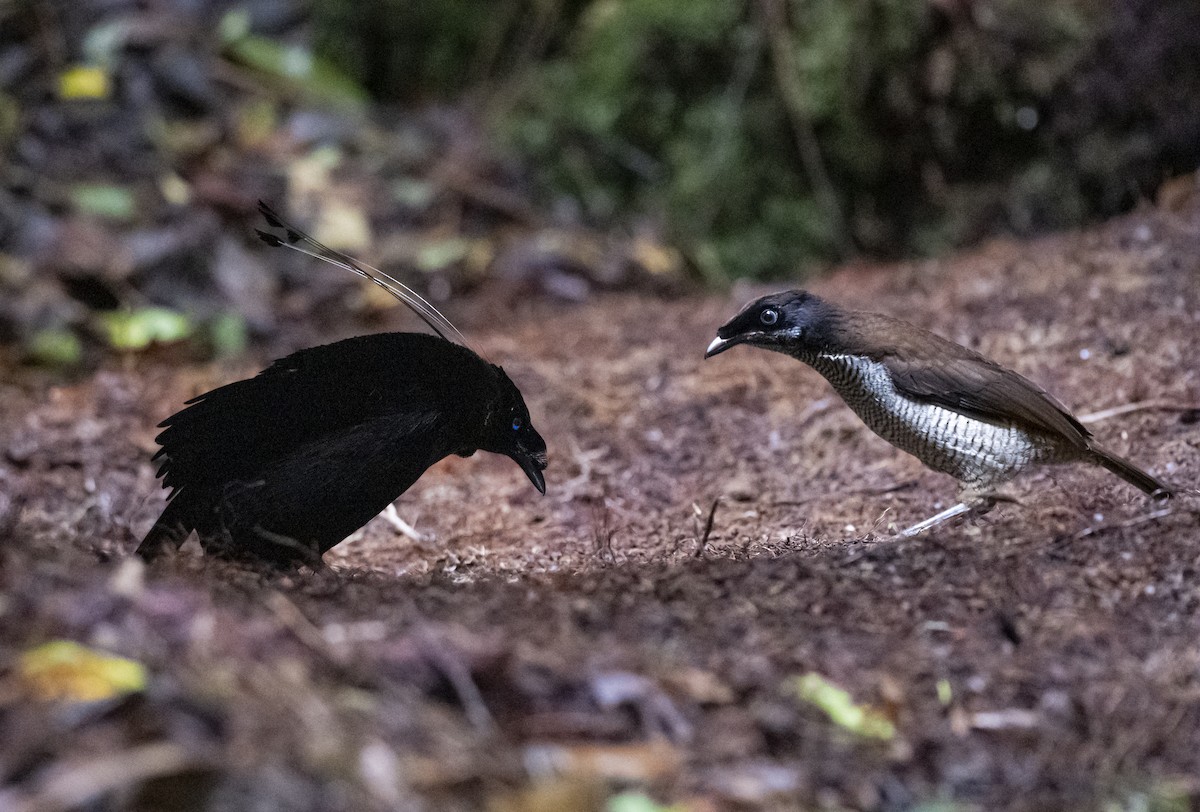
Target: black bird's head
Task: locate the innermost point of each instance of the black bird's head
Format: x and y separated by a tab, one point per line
792	321
509	431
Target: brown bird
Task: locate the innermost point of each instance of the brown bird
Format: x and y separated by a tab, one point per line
948	406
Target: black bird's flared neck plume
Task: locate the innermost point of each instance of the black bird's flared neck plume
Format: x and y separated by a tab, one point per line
302	242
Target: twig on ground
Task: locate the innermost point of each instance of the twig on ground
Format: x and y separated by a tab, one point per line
1139	406
1121	525
702	538
73	785
882	489
875	524
602	532
584	459
458	675
303	629
813	409
392	517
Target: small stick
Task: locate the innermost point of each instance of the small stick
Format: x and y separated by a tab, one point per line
708	527
458	675
1140	406
303	629
392	517
1134	522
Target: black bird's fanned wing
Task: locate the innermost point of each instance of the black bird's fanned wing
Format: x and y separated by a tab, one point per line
237	430
979	388
319	493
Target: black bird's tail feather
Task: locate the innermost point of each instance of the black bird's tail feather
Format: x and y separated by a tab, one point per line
171	529
1129	472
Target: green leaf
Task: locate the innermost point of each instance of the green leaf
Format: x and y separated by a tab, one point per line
138	329
841	709
297	65
413	193
228	335
436	256
10	118
945	693
54	347
103	200
103	43
637	802
234	25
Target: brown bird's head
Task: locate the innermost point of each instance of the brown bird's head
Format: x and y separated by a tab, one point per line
791	321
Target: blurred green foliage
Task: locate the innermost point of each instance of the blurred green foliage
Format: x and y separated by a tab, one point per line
54	347
134	330
772	137
399	49
293	64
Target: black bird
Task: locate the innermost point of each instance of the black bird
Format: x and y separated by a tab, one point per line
948	406
282	466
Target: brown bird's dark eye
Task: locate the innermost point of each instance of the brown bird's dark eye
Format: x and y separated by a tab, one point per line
517	423
769	317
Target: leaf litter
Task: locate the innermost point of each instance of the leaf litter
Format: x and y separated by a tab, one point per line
623	641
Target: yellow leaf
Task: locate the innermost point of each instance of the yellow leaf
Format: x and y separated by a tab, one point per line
66	670
342	226
945	693
840	708
632	763
83	82
174	189
656	258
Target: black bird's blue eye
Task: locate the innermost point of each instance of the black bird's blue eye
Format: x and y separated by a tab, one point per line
769	316
517	423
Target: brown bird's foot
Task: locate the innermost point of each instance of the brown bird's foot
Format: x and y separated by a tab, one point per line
974	503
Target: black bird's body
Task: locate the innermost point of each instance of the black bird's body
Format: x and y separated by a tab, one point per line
952	408
284	465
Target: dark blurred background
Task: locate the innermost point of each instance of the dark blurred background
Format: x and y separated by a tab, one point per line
547	148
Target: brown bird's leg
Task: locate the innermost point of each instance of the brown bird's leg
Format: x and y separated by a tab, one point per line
936	519
972	501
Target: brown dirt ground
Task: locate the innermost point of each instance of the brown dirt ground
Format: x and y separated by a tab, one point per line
542	653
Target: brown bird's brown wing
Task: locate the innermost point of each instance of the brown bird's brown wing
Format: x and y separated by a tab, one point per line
932	369
988	392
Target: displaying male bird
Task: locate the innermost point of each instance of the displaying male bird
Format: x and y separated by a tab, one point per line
948	406
282	466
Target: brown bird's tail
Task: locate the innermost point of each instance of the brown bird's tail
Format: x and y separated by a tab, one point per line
172	528
1129	472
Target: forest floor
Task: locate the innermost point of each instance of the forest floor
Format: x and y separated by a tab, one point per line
601	647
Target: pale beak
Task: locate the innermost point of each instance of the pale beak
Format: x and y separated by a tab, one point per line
719	345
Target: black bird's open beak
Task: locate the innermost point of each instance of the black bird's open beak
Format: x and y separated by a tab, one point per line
719	345
533	465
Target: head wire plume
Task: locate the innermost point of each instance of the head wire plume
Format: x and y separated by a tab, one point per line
297	240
